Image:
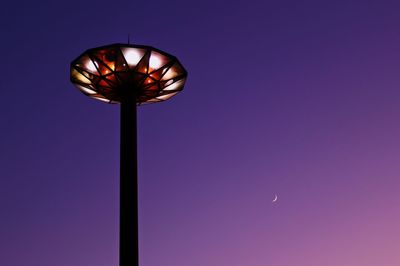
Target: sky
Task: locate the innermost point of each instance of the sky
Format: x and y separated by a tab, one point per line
295	98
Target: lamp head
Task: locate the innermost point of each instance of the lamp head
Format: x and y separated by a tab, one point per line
127	72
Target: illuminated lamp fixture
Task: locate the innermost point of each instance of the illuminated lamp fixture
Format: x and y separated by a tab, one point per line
130	75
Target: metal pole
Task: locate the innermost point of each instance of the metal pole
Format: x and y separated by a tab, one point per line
129	236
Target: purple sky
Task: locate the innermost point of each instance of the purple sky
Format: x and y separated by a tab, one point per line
295	98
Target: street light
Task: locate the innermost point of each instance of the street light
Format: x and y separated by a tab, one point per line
130	75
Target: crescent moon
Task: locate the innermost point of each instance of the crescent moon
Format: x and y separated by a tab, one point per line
275	199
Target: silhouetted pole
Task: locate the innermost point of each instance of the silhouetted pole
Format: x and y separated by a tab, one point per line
129	227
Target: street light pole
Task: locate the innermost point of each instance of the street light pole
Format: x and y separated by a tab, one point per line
129	226
131	75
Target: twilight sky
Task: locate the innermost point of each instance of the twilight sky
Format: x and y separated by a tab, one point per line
295	98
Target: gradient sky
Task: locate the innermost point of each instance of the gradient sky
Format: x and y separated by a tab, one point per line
295	98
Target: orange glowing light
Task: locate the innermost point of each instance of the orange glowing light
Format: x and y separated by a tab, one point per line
119	72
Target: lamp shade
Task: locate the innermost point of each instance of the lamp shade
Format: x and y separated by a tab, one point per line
126	72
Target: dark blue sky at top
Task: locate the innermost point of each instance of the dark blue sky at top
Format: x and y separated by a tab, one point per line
295	98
